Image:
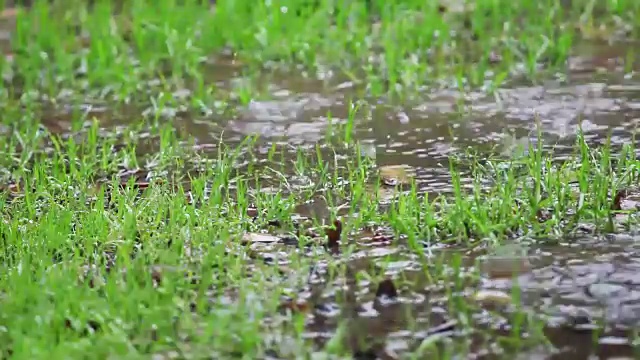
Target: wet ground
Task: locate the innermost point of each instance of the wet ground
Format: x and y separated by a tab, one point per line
585	290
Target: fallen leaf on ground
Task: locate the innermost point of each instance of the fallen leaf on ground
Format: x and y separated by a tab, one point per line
393	175
543	215
333	233
617	200
626	200
386	288
252	212
156	276
492	297
295	306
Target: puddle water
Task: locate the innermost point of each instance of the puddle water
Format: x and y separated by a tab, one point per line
424	133
576	287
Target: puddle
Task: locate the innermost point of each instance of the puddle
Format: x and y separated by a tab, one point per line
423	134
574	287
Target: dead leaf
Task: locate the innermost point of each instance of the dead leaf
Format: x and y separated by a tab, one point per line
543	215
333	233
252	212
493	297
393	175
626	200
617	200
386	288
142	185
156	276
295	306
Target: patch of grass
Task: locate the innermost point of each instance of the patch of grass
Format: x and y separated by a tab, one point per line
85	51
111	250
107	262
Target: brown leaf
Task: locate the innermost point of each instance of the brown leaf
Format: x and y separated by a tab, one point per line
626	200
333	233
617	200
156	276
142	185
371	234
382	236
295	306
252	212
543	215
387	288
393	175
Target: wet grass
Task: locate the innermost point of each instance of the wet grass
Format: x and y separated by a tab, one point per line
152	50
100	260
180	251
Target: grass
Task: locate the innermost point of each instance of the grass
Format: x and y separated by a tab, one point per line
149	48
112	250
117	267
